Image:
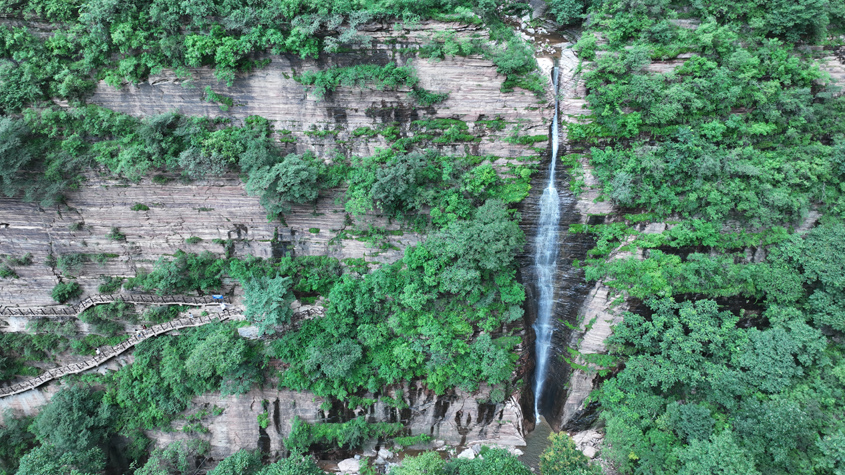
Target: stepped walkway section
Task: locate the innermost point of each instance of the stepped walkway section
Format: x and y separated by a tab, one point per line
106	353
75	310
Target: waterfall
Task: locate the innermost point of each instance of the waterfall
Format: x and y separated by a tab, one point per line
545	263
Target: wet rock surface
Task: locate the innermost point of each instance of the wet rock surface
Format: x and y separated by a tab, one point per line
570	288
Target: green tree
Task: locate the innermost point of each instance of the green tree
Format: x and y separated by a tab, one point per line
15	154
218	354
567	12
429	463
48	460
15	441
334	360
293	180
242	462
395	186
823	261
497	461
267	302
464	253
562	458
184	273
293	465
178	458
719	455
74	421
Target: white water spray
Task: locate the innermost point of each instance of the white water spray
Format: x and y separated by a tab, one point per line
545	261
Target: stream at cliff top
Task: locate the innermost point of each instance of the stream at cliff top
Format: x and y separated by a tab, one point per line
545	261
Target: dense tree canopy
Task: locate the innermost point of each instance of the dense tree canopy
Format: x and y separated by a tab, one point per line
730	366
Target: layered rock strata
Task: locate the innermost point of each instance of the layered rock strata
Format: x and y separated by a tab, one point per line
455	418
218	211
326	126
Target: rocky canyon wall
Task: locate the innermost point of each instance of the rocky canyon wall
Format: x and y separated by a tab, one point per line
218	208
455	418
218	211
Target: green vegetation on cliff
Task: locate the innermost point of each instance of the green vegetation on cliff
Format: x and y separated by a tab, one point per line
731	364
446	313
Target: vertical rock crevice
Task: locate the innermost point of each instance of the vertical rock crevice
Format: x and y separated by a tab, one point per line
570	288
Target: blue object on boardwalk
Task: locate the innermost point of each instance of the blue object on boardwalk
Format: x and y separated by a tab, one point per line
217	297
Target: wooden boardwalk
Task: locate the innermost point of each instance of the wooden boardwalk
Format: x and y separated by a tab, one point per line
110	352
75	310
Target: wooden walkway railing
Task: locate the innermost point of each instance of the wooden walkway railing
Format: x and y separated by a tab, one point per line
110	352
74	310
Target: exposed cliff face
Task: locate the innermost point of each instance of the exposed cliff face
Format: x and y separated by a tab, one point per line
210	209
454	418
472	83
219	209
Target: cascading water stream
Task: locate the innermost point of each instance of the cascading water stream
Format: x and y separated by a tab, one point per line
545	263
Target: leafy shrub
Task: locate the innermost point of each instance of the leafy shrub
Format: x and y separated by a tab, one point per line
177	457
193	240
293	180
267	302
107	319
15	440
388	77
110	284
446	44
64	291
115	235
161	314
7	272
242	462
427	98
340	354
71	264
294	465
263	420
563	458
102	257
568	12
168	372
497	461
350	434
25	260
184	273
412	440
75	420
225	102
140	207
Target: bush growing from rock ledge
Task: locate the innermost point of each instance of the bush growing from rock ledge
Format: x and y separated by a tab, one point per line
293	180
64	291
115	235
109	284
71	263
7	272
